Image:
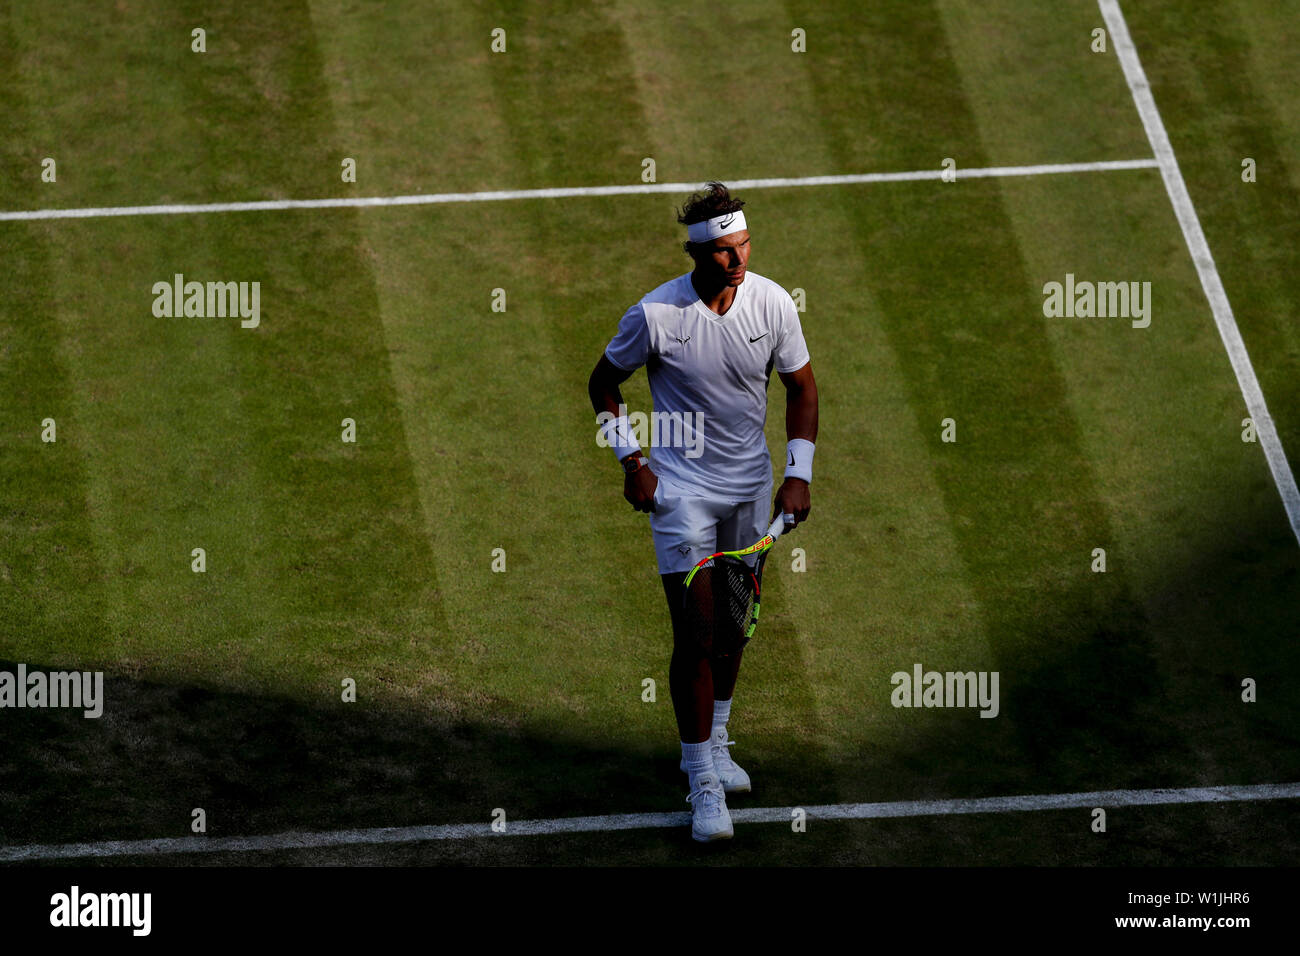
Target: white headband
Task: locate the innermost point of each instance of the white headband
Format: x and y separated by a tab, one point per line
716	227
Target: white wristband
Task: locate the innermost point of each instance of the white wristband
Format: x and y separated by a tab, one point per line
798	459
618	436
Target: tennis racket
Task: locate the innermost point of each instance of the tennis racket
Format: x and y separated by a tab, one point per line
723	591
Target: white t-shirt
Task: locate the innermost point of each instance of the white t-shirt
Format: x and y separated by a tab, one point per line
708	378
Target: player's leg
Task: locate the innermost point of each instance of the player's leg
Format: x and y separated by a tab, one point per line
724	662
724	665
690	676
685	530
742	526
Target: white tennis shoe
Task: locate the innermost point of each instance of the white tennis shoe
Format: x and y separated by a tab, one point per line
731	774
710	819
733	777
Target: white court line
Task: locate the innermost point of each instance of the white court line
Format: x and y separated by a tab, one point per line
565	192
1205	267
642	821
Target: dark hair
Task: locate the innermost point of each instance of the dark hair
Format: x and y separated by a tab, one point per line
706	205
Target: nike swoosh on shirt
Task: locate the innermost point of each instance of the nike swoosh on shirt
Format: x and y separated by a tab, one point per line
757	337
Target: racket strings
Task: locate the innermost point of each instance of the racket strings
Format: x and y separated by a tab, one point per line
740	596
719	603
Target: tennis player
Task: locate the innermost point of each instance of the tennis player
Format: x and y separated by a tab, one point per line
709	340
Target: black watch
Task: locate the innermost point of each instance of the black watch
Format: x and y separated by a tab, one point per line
634	463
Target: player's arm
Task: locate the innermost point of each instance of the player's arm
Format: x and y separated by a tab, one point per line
639	483
794	496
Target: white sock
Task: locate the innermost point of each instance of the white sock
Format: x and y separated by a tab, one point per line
698	759
721	714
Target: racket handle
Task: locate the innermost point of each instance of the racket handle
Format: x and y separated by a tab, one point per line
779	525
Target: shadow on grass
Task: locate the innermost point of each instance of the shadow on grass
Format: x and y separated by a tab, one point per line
1110	707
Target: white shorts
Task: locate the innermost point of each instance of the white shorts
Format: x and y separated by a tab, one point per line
688	528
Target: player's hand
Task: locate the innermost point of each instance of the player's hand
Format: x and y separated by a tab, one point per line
793	497
639	489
